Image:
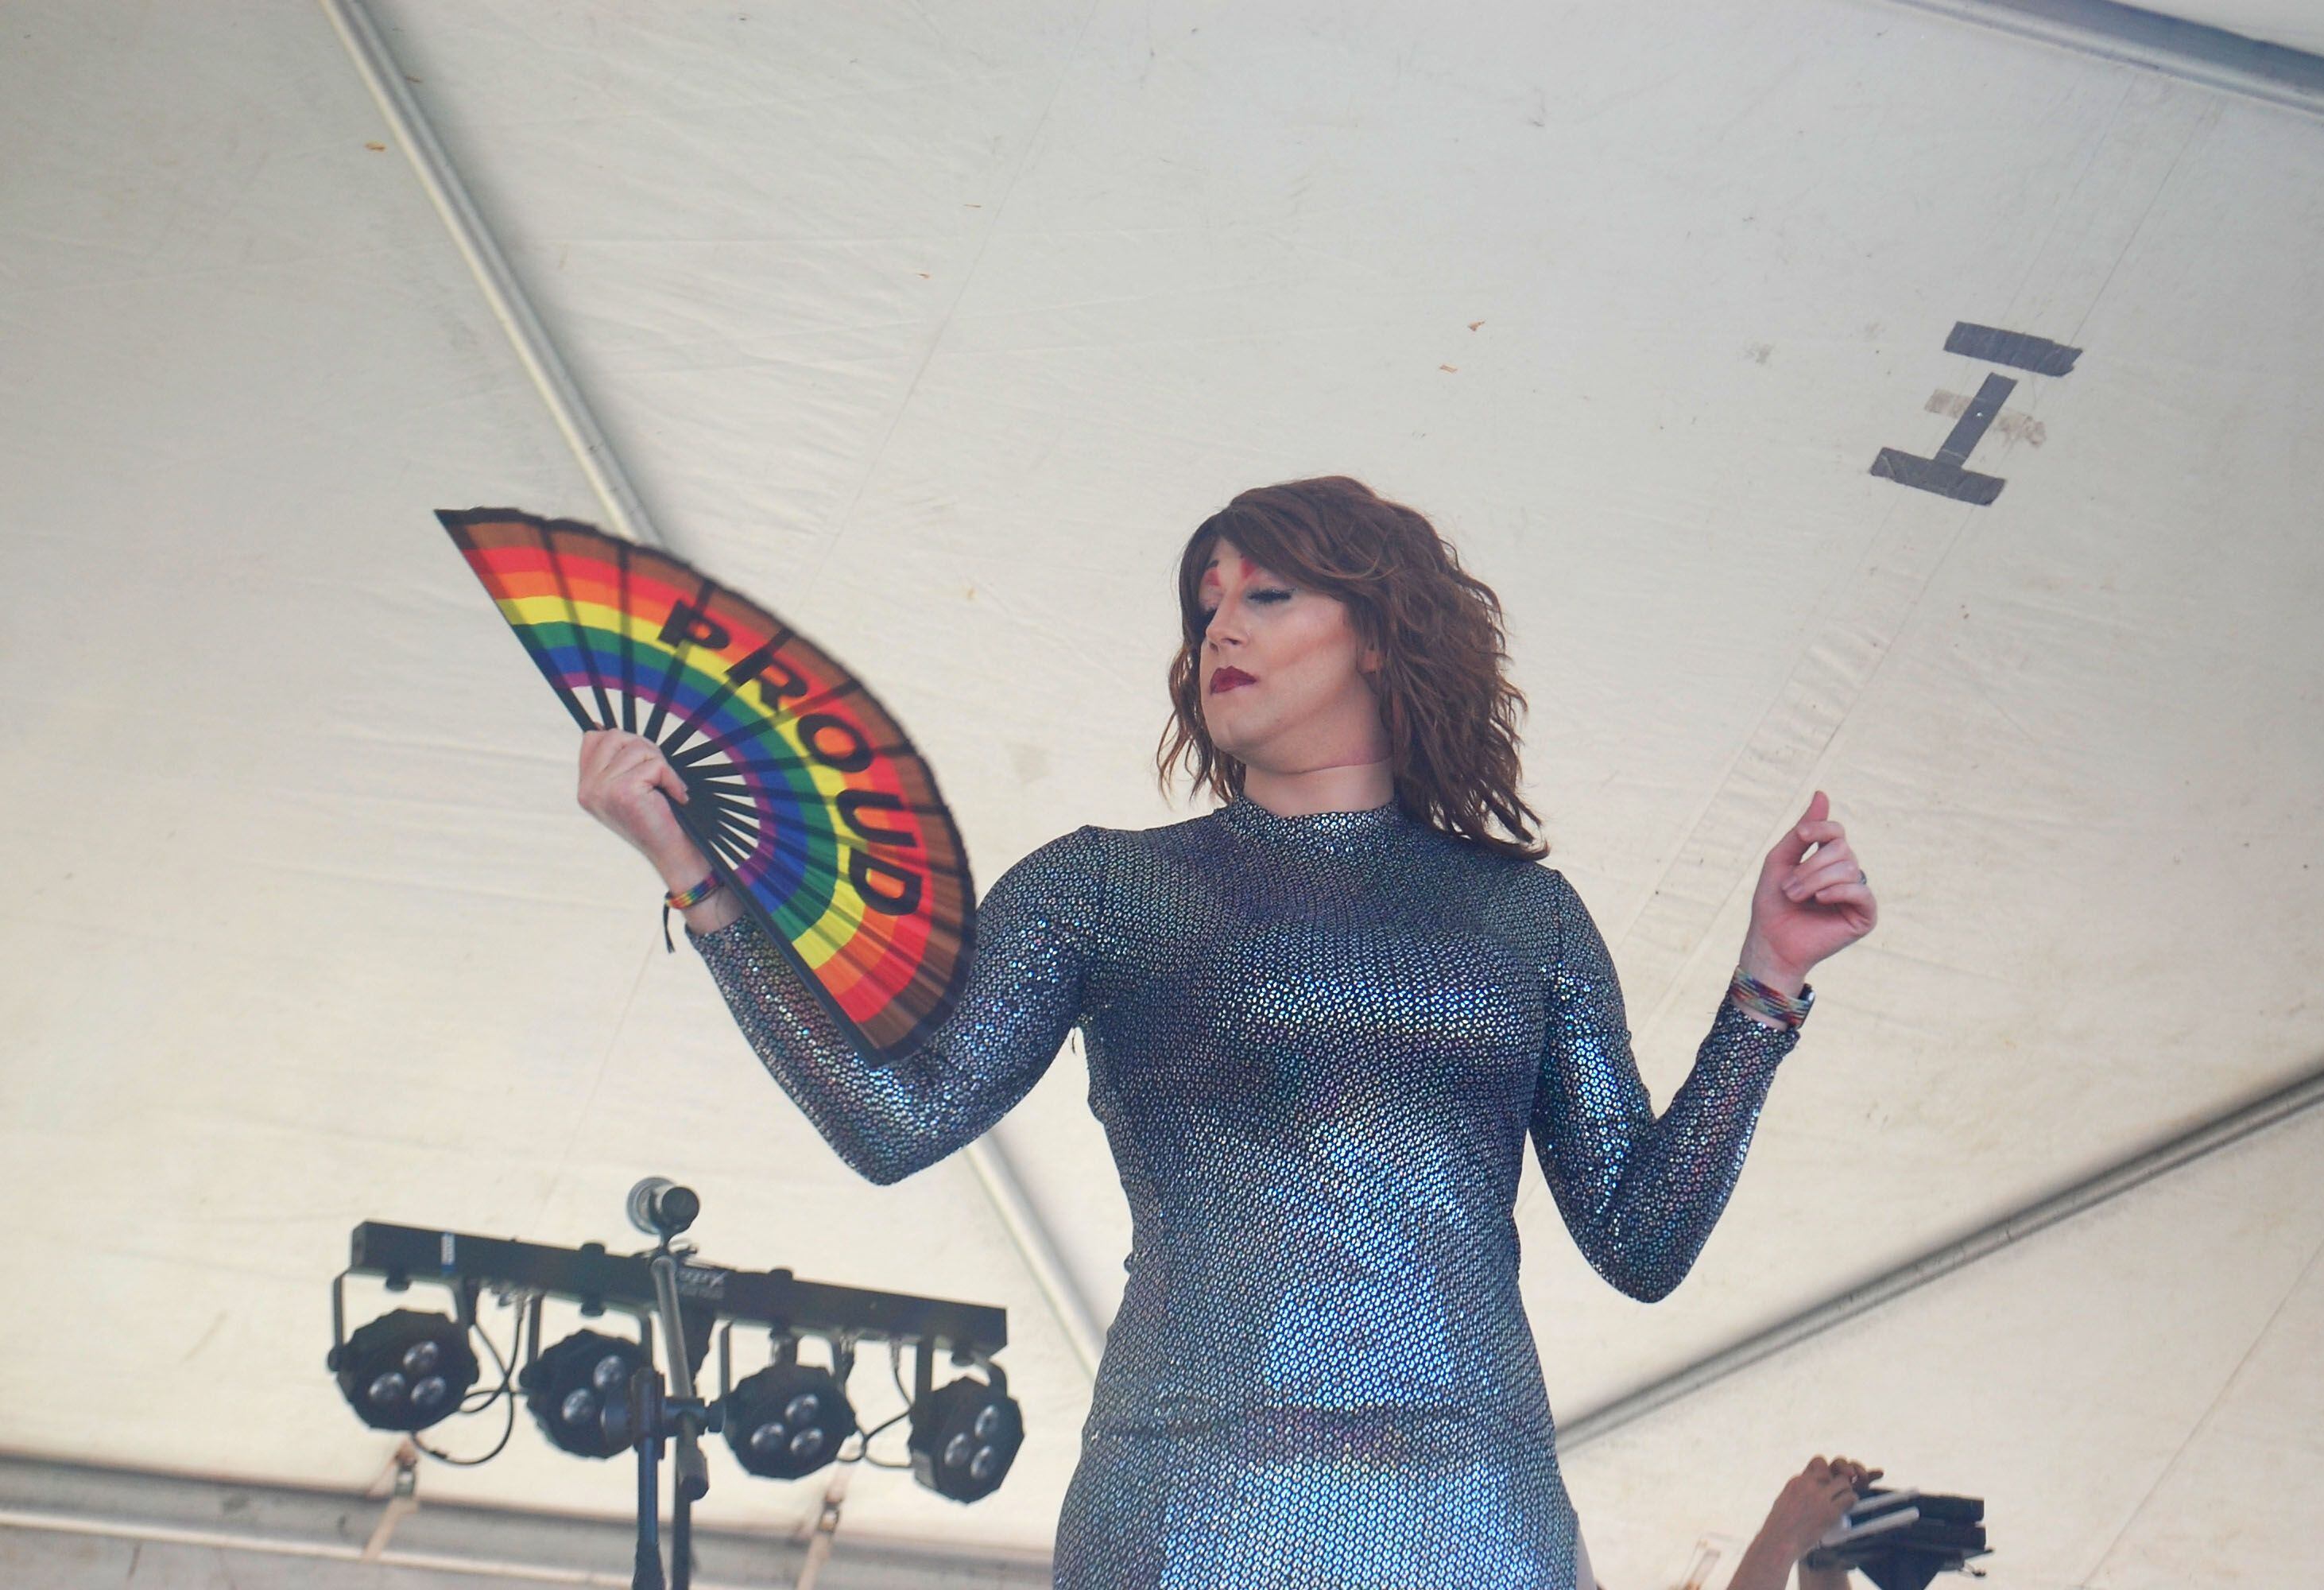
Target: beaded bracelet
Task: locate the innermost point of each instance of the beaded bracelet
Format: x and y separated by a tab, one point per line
1754	995
679	899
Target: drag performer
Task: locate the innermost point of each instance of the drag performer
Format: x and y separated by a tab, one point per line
1321	1022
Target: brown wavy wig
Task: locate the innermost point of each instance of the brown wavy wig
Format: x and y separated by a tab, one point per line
1445	697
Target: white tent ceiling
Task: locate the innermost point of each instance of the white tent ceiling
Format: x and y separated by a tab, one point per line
938	327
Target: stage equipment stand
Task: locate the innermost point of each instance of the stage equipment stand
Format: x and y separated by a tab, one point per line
659	1411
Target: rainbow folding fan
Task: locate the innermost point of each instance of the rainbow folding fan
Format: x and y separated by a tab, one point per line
807	797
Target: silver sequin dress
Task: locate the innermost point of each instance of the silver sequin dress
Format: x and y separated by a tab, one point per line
1317	1045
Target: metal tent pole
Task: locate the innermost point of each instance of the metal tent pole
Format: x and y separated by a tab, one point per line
2192	52
2221	1130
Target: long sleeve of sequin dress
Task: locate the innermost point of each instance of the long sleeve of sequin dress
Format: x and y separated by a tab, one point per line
1023	995
1640	1194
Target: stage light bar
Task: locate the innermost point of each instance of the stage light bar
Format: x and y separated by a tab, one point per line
595	1395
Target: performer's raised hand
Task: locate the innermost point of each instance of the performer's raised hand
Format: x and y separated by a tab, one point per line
1806	907
623	780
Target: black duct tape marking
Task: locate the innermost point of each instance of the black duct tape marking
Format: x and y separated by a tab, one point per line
1943	473
1947	480
1970	428
2014	348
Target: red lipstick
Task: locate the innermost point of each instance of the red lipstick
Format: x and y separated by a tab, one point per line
1228	679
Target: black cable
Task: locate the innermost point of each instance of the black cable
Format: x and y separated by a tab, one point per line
507	1367
863	1453
896	1370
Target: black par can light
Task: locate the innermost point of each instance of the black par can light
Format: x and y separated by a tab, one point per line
964	1437
579	1392
405	1370
787	1420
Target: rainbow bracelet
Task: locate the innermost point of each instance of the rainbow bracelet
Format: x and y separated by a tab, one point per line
679	899
1754	995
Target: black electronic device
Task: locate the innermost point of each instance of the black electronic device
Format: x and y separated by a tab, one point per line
1902	1539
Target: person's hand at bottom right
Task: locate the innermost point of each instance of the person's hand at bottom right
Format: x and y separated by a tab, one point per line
1811	1502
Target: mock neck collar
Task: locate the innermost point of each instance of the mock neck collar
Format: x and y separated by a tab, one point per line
1334	831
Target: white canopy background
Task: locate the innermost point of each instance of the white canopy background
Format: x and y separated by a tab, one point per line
938	327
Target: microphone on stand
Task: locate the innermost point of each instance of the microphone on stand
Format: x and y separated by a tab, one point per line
658	1206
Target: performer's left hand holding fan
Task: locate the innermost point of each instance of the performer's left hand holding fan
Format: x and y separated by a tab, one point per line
808	799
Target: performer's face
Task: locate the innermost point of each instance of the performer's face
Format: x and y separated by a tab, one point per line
1307	705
